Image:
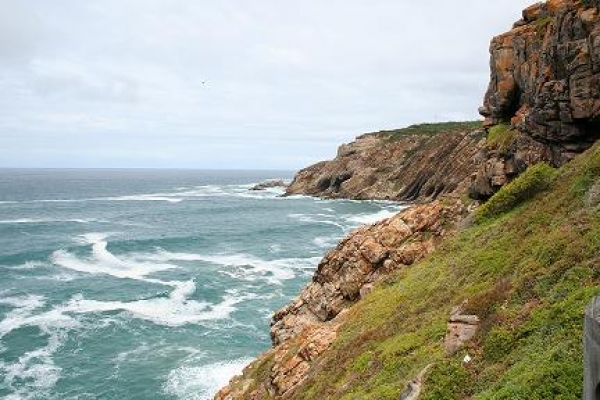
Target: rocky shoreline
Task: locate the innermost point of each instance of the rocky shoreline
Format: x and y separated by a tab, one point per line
305	328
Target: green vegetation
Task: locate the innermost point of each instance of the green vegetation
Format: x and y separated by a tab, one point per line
536	179
527	271
430	129
541	24
500	136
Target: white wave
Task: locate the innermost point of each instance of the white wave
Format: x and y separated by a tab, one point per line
30	302
174	310
324	219
57	201
365	219
102	261
247	267
326	241
49	220
23	315
142	197
8	202
33	373
201	382
275	248
56	277
179	194
25	266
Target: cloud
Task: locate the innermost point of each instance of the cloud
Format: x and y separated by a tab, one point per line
156	76
77	80
21	32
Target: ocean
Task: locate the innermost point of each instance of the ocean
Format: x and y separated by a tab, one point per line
150	284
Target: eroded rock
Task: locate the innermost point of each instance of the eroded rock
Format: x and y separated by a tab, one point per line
273	183
545	82
347	272
461	328
413	167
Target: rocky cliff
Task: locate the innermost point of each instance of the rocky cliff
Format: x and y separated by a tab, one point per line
544	91
384	318
420	162
305	329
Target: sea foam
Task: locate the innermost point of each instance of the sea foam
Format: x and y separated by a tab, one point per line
102	261
246	266
175	310
34	372
191	382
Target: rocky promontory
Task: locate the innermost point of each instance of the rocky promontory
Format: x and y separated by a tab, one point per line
418	163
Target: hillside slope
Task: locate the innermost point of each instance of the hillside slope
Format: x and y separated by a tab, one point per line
526	272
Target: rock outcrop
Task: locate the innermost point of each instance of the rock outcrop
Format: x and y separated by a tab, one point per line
303	330
461	329
273	183
348	271
545	83
418	163
283	368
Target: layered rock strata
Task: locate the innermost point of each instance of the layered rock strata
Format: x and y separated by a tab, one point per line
406	167
348	271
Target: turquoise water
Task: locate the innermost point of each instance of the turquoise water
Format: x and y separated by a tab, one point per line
140	284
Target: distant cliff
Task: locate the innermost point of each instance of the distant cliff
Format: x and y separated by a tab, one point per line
418	163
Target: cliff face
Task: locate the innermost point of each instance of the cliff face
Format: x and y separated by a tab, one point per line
545	83
416	163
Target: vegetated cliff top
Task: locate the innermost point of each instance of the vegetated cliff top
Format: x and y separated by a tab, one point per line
428	129
526	269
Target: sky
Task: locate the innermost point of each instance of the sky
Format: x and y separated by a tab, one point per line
244	84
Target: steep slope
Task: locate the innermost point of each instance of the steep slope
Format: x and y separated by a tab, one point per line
420	162
525	272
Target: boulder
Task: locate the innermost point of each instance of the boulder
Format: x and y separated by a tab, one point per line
461	328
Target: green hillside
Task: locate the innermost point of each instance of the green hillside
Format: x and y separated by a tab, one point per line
528	267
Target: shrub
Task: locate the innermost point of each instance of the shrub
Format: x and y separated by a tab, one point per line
498	344
536	179
431	129
447	380
500	136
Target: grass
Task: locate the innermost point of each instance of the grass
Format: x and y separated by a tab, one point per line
535	180
528	269
541	25
500	136
430	129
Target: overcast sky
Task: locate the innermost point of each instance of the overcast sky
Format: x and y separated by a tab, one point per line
269	84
